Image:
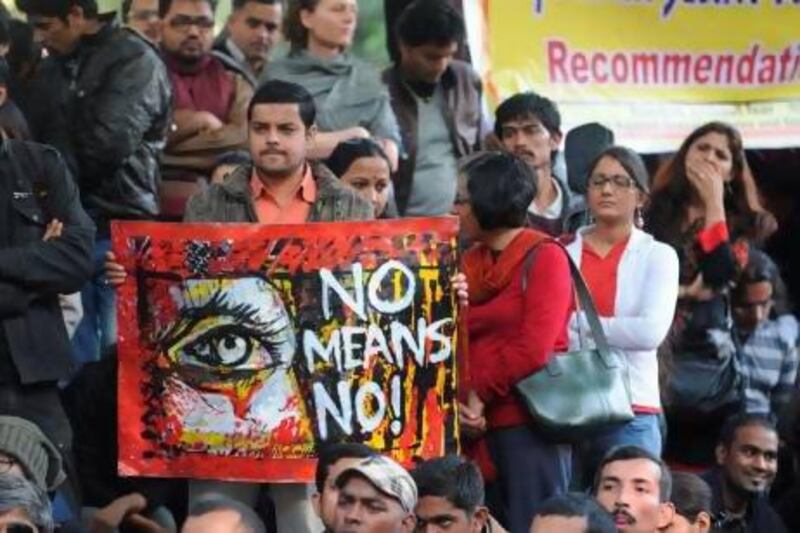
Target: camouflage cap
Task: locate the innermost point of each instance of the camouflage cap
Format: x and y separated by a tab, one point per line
387	476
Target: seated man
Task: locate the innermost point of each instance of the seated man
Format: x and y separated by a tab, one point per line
747	462
572	513
766	349
451	497
333	460
691	497
376	495
23	506
222	515
634	486
210	98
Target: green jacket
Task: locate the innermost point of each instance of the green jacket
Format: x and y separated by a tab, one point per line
231	201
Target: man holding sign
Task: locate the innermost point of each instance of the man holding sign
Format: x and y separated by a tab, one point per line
281	187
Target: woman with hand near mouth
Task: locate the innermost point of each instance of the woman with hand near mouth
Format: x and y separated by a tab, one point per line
635	315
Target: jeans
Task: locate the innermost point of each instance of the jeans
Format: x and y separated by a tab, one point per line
97	330
643	431
530	470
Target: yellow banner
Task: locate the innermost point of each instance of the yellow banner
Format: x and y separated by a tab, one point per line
646	50
652	70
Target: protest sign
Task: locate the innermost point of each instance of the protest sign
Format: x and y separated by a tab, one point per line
243	347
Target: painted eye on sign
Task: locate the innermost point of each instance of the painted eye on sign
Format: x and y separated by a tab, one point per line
243	348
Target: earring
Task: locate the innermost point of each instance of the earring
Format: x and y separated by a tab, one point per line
638	218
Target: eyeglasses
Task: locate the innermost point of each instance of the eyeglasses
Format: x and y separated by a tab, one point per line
184	22
618	181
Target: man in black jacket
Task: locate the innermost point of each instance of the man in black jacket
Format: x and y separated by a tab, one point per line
747	462
109	98
45	250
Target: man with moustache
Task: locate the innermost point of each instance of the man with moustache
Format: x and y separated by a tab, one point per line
747	462
210	95
529	125
635	486
253	28
280	186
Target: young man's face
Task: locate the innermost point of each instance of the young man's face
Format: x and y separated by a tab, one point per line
629	490
529	139
325	502
752	305
255	28
59	36
436	514
278	139
751	461
427	62
362	508
143	16
188	29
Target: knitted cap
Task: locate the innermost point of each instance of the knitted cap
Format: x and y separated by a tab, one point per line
26	443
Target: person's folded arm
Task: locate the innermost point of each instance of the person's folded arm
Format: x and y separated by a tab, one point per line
62	264
545	309
656	308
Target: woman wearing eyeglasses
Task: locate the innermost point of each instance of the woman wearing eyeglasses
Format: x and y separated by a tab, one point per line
705	204
351	100
633	280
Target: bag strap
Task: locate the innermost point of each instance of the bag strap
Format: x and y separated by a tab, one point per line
584	297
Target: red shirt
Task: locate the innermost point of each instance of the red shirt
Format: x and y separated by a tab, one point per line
600	274
514	334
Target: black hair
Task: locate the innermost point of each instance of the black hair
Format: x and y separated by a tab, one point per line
24	51
347	152
759	269
57	8
453	478
690	495
248	519
629	453
13	122
164	5
430	22
284	92
630	161
527	105
5	71
501	187
740	420
330	453
126	9
239	4
598	520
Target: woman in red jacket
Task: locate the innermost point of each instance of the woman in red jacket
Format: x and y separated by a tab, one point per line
512	333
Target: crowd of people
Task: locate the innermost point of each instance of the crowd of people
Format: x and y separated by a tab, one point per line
276	121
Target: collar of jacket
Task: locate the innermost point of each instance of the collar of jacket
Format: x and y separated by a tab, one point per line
237	185
446	81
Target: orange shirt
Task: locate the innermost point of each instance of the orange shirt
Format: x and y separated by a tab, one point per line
294	211
600	274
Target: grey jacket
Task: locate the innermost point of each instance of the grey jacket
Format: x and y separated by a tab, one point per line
231	201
